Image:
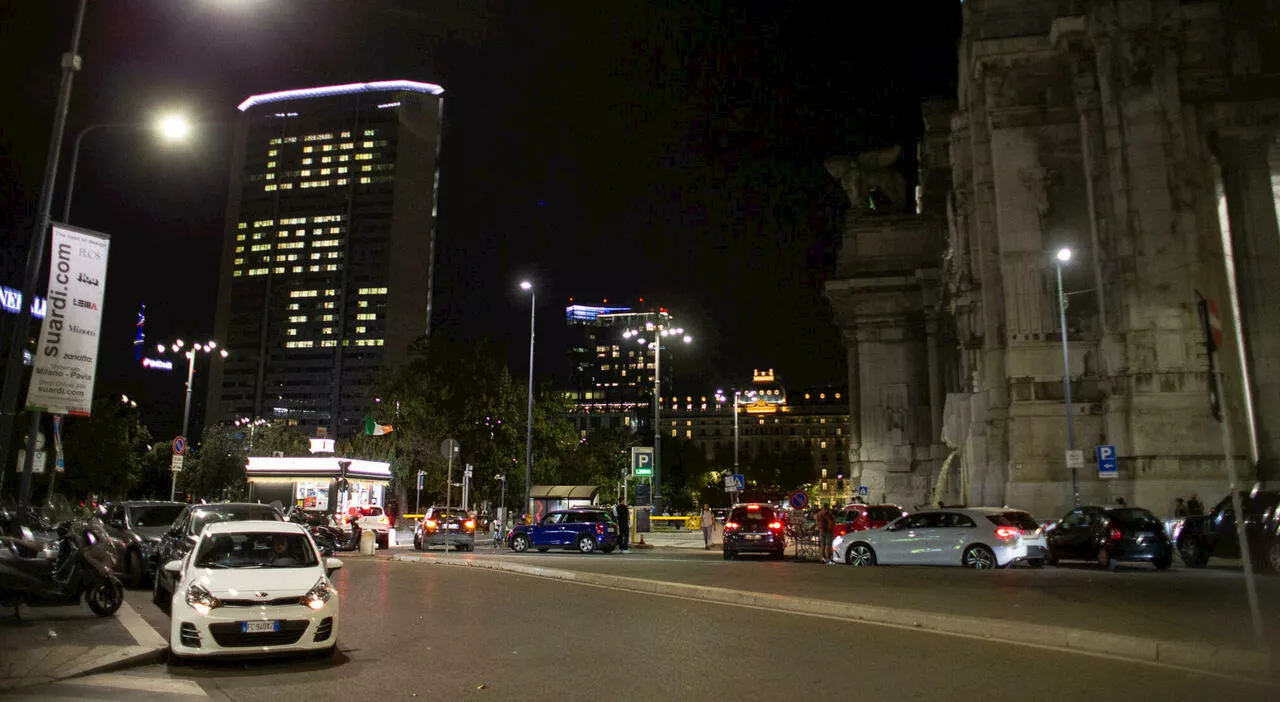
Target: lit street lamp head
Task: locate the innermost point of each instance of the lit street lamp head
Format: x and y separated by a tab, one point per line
526	285
1064	255
174	127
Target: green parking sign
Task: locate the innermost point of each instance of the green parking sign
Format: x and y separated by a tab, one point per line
642	461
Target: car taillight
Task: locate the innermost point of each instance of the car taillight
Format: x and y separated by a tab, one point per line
753	507
470	524
730	526
1115	534
1005	532
430	524
841	529
599	528
775	526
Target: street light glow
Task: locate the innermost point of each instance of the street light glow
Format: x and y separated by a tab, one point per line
1064	255
174	127
159	348
688	339
526	285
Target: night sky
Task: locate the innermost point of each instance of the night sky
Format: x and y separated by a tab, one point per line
670	150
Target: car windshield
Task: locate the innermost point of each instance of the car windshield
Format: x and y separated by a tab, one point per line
448	514
199	518
1022	520
154	515
256	550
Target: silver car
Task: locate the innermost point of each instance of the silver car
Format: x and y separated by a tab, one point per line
971	537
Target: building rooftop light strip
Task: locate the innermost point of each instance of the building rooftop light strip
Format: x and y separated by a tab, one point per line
346	89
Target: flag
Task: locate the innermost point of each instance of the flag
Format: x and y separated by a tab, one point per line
372	428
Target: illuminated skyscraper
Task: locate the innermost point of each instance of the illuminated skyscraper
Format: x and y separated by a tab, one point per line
327	263
611	378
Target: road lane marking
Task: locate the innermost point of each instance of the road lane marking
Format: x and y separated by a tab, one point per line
138	628
140	683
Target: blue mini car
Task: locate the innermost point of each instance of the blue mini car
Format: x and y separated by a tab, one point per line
583	529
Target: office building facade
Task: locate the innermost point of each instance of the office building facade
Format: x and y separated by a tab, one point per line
327	266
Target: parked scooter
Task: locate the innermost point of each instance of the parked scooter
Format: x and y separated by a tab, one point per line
327	536
45	574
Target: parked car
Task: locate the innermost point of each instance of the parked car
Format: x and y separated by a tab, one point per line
584	529
754	528
445	526
1109	535
252	587
1034	535
1214	534
860	517
137	528
974	537
182	536
372	518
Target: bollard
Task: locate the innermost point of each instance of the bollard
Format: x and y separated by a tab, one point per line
368	542
391	538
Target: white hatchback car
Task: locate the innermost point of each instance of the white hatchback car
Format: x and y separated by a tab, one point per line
974	538
253	587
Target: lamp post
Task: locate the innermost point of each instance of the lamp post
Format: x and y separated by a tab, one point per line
191	353
658	332
737	394
1063	257
528	431
171	127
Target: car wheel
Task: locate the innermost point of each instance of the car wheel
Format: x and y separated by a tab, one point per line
1105	561
135	572
159	595
1163	562
1192	554
1050	558
105	597
1035	562
520	543
417	544
860	554
586	544
728	555
979	557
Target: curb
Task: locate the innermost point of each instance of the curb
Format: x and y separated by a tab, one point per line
85	661
1182	654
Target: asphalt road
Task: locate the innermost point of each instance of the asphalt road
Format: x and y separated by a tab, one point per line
411	630
1179	604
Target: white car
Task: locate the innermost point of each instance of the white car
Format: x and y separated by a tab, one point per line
971	537
253	587
375	520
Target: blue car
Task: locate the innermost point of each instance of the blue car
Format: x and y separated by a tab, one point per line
583	529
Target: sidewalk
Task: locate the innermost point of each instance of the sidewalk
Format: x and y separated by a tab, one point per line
55	643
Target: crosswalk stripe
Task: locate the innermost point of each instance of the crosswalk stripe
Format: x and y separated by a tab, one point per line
140	683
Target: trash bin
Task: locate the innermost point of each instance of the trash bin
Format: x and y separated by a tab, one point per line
368	542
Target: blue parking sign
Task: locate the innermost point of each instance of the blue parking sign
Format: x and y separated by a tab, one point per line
1107	467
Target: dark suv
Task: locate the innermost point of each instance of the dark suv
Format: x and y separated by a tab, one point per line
1214	534
584	529
754	528
178	540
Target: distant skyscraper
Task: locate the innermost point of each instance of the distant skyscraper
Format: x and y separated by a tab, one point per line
612	379
327	264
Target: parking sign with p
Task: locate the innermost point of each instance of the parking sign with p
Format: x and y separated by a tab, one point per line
1107	467
642	461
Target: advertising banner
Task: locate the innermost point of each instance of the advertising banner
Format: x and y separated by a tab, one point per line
67	354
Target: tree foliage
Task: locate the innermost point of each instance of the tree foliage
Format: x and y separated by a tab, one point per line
216	471
272	438
104	451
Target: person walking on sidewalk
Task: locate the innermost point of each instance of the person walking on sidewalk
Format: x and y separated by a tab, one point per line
708	524
826	532
623	515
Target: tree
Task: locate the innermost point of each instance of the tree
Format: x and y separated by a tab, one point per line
104	451
217	470
273	438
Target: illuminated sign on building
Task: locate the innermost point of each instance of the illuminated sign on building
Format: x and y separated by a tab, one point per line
11	300
157	364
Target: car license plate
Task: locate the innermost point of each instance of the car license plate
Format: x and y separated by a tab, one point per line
1144	535
451	526
259	627
753	537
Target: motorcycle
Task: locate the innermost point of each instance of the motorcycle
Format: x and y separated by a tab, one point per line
328	537
78	563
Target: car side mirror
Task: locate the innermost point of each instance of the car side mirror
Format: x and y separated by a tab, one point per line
174	568
331	566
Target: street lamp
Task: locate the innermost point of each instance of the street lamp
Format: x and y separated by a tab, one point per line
210	347
1063	258
656	334
737	394
528	431
171	127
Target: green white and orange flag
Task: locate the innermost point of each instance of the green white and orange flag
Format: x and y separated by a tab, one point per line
372	428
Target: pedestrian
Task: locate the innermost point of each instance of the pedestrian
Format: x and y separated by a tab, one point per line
826	532
708	523
1194	507
1121	503
624	525
1179	507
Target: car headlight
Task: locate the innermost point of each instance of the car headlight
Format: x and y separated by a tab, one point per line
201	599
318	595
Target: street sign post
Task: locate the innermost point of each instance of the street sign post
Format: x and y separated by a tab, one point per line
176	462
642	461
1075	459
1107	467
798	500
179	445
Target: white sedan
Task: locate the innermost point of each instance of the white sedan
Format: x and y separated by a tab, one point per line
253	587
972	537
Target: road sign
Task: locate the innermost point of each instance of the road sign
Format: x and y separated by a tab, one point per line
798	500
37	462
642	461
176	462
420	476
863	490
1075	458
449	448
1107	467
179	445
735	483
